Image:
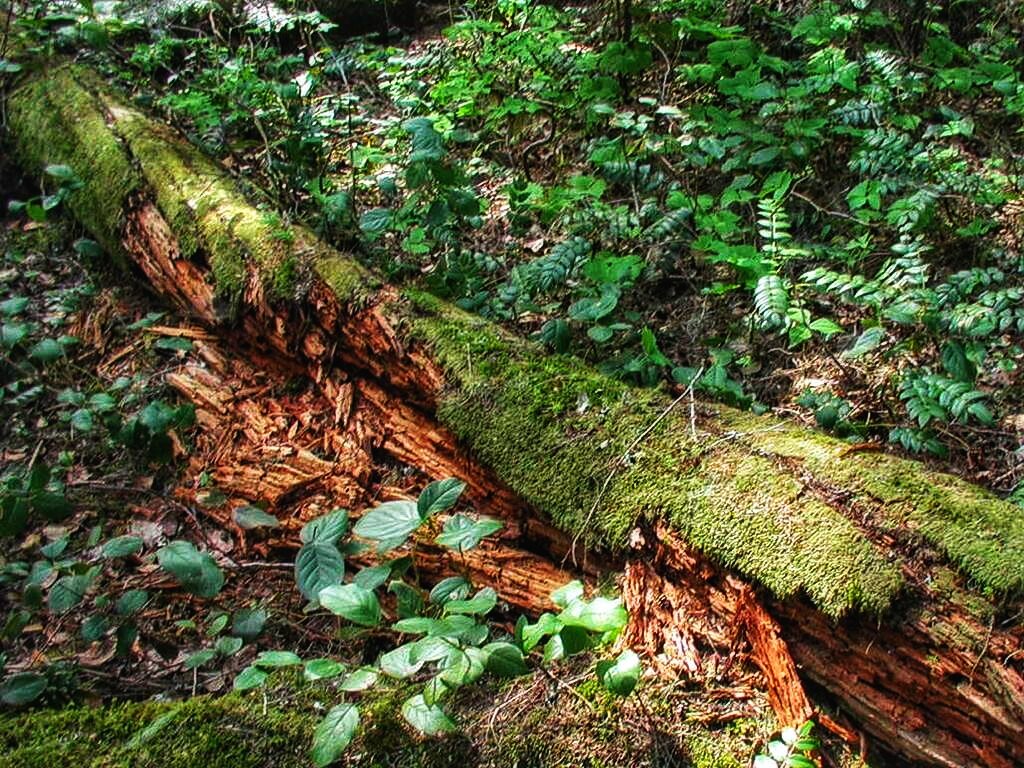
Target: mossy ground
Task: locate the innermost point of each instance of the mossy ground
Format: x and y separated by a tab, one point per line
519	724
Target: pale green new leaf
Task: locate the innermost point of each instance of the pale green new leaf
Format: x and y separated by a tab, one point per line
334	733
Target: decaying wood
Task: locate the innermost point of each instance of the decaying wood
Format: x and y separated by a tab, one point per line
261	447
933	682
769	651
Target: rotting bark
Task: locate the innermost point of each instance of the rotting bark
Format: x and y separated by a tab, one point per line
264	447
862	557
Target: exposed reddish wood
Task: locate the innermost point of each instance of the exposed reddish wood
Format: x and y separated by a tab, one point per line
786	693
253	436
682	612
901	680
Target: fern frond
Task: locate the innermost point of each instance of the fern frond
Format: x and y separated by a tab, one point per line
771	302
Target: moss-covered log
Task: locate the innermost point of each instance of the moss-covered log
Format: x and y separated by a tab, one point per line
890	582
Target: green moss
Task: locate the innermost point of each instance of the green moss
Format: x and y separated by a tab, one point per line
564	437
980	533
226	732
350	281
57	119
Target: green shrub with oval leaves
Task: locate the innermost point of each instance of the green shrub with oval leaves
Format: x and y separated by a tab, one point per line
443	640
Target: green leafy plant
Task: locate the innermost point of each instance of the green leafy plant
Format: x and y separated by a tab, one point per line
793	748
442	639
38	208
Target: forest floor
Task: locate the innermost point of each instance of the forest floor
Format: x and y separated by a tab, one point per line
134	636
613	201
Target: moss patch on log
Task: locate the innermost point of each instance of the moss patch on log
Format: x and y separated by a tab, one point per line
567	439
980	533
69	117
56	119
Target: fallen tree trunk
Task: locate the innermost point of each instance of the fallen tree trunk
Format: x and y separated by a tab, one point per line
893	588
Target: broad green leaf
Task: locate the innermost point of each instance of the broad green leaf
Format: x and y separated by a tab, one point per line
55	548
131	602
317	566
334	733
12	334
274	659
574	640
249	517
67	592
553	649
464	667
765	155
375	221
359	680
429	720
463	533
601	614
591	309
432	648
532	634
322	669
46	351
122	546
399	663
451	588
250	677
87	248
352	602
866	342
174	344
479	605
439	496
326	529
389	525
200	658
453	626
95	627
799	761
504	660
371	578
826	327
217	625
620	676
248	623
435	690
14	306
427	144
567	594
22	688
61	172
415	625
228	646
409	598
196	571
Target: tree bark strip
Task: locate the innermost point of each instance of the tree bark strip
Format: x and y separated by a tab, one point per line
830	534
